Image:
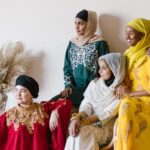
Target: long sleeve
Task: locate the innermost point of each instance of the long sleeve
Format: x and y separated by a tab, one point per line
3	130
64	111
105	107
68	73
102	48
108	112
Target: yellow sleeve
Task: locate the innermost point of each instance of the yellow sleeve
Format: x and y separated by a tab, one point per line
148	74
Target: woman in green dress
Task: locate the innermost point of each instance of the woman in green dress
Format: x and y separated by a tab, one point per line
81	59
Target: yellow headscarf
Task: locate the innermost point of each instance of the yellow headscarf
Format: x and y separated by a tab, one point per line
136	55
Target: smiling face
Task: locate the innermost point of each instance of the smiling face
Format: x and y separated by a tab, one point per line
132	36
104	71
23	95
80	26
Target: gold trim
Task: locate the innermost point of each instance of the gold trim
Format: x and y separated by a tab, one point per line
19	116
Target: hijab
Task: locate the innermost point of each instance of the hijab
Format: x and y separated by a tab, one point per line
116	63
91	28
101	96
136	55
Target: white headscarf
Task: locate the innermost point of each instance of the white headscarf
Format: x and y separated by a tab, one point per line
99	98
116	63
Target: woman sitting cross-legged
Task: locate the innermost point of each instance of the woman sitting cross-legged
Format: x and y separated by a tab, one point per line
26	126
93	125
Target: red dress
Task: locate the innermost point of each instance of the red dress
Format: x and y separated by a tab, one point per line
28	129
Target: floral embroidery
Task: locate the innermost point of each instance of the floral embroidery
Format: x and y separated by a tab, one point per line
26	116
142	127
67	80
139	100
138	109
86	55
124	108
129	129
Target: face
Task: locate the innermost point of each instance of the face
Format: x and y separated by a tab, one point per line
132	36
23	95
104	71
80	26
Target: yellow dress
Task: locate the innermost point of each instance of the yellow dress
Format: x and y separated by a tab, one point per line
134	113
133	131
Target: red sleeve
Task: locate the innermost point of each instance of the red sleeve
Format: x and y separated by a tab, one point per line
57	104
3	129
63	107
59	135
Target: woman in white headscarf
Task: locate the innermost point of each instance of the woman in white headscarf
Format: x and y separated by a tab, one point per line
81	59
93	125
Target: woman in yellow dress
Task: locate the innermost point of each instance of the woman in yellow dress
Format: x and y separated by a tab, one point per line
133	132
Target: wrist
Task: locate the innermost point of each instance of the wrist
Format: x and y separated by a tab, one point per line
76	116
55	112
68	86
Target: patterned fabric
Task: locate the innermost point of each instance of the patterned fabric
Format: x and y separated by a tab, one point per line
101	101
81	63
28	128
134	113
91	137
26	117
85	55
83	51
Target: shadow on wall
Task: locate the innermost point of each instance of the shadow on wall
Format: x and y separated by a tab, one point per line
110	27
37	68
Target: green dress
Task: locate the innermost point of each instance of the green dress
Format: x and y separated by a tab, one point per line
81	66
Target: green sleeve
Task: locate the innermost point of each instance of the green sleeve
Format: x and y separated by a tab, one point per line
102	48
67	68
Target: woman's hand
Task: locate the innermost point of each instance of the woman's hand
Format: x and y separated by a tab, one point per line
53	122
74	127
122	91
66	92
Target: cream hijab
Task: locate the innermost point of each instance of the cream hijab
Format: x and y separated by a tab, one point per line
116	63
89	35
98	93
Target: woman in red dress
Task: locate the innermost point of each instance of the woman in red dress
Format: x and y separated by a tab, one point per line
34	126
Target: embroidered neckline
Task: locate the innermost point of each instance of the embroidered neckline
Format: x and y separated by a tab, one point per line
31	107
20	116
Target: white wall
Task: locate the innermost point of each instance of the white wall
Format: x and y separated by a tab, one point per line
45	26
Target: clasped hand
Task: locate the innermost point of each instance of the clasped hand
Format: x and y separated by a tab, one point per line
122	91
